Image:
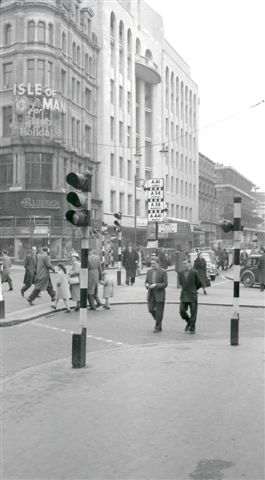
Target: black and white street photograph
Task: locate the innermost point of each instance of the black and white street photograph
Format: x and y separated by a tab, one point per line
132	240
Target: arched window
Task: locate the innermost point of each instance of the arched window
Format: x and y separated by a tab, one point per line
74	52
41	32
8	32
138	47
90	67
78	55
129	42
148	55
31	31
63	42
121	33
50	34
112	26
86	63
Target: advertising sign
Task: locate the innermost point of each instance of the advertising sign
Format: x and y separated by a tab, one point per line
38	111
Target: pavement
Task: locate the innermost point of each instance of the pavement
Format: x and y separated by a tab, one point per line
180	407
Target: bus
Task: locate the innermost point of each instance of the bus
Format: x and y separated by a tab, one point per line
173	233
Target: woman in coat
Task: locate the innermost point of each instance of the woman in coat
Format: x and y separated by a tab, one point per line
200	266
74	280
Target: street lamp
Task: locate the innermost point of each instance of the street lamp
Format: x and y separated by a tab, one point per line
137	156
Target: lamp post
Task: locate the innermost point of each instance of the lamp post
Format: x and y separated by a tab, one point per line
137	156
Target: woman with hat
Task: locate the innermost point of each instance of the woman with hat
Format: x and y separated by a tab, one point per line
74	279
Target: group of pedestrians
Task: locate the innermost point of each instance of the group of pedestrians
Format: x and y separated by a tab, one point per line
37	272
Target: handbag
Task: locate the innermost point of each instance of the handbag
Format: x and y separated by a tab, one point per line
74	280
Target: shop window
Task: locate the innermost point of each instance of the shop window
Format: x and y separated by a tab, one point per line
7	121
38	171
6	171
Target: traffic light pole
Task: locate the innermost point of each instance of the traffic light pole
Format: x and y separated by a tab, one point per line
119	259
234	327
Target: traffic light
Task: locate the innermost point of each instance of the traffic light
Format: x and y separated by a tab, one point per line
117	222
226	226
81	216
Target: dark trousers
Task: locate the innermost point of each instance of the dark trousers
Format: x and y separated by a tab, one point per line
9	281
92	298
156	309
183	310
36	292
27	284
128	277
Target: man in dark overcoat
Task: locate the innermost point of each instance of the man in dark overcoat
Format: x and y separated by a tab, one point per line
94	276
42	279
30	265
130	262
261	269
190	283
156	282
201	267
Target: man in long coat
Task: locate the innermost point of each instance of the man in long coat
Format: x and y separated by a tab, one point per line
190	283
42	279
156	283
30	265
261	269
7	264
94	276
130	262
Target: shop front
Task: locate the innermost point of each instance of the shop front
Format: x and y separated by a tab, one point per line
34	218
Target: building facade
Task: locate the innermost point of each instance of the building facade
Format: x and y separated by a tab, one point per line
207	233
148	116
48	120
230	184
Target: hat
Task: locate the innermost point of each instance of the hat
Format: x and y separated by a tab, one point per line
75	254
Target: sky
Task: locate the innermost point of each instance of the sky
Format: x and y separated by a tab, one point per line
223	41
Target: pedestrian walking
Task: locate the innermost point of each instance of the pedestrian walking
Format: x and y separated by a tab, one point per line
94	276
156	282
30	265
62	288
190	283
261	270
42	279
7	264
162	259
74	279
130	263
200	266
108	289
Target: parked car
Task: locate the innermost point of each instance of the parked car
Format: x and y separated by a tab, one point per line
211	263
249	274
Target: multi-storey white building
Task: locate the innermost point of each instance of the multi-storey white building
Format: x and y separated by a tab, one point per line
147	115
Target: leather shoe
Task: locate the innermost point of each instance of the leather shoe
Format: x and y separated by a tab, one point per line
157	330
22	293
30	301
192	330
187	328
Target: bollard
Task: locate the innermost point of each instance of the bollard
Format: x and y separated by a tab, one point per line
234	327
79	349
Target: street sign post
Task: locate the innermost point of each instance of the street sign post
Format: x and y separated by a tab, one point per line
155	199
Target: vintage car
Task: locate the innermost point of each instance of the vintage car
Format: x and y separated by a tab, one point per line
249	274
211	263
